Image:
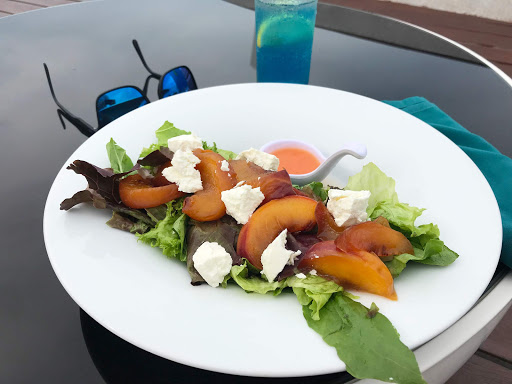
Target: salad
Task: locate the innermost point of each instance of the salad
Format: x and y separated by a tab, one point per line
235	219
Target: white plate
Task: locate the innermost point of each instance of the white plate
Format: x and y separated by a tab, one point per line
143	297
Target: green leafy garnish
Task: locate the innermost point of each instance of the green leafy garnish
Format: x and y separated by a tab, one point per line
228	155
169	233
240	274
168	131
119	160
313	291
164	133
315	190
369	345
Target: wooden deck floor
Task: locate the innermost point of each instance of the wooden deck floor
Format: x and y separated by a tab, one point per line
492	363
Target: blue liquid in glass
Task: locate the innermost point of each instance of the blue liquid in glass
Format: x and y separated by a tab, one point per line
284	38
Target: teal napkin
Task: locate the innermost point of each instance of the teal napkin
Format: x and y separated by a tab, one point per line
496	167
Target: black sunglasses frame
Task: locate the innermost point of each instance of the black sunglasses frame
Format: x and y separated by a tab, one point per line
87	129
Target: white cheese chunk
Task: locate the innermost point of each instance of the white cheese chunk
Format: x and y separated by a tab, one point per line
184	143
212	262
300	276
241	201
348	207
313	272
275	257
224	166
183	172
264	160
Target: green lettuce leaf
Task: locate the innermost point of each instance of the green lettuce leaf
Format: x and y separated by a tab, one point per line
315	190
228	155
168	131
164	133
254	283
365	341
119	160
372	179
170	233
313	291
428	248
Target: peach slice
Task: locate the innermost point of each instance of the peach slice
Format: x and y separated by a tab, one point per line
246	170
327	227
382	221
371	236
363	271
273	185
206	205
296	213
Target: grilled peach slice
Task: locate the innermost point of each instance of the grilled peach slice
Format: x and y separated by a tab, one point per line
362	271
138	193
246	170
296	213
273	185
371	236
206	205
327	227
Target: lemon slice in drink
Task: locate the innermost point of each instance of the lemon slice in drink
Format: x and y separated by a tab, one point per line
283	30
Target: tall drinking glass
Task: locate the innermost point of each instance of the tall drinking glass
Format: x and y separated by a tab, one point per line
284	38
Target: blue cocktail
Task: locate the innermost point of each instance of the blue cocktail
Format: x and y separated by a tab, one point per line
284	38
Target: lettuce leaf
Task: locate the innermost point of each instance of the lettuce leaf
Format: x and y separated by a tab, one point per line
222	232
168	131
170	233
164	133
314	292
365	340
372	179
254	283
119	160
123	223
315	190
428	248
228	155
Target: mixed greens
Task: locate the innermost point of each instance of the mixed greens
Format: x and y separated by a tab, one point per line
364	339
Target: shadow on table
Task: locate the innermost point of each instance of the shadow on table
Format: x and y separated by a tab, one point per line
120	362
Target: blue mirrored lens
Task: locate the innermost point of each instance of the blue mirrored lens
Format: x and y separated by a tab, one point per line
116	103
177	81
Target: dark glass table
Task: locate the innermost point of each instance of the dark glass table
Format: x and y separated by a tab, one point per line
44	336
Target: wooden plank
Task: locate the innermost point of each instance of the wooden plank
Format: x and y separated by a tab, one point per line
481	371
499	342
425	16
507	68
45	3
494	54
481	38
489	38
9	6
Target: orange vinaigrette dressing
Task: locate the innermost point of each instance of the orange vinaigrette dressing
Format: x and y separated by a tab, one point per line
296	161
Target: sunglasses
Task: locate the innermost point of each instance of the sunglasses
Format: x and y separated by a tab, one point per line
118	101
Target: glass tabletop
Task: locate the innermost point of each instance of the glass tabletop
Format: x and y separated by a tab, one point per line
88	49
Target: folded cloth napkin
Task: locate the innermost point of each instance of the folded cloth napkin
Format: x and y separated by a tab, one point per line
496	167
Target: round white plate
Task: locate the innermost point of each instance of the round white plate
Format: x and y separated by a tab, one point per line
145	298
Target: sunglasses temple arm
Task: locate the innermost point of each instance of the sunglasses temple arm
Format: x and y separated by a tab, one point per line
82	126
141	57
